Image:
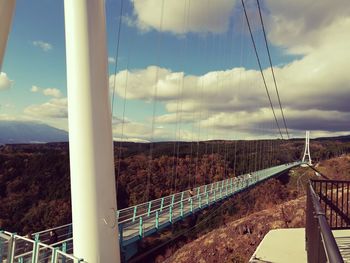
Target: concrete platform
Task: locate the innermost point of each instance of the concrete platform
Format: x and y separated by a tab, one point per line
282	246
288	245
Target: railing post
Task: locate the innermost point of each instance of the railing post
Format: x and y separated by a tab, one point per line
1	247
319	249
214	195
149	208
35	249
172	199
200	201
313	239
54	255
191	204
64	249
161	204
140	227
207	198
205	188
182	208
198	191
120	227
134	215
70	230
182	196
171	214
157	219
11	248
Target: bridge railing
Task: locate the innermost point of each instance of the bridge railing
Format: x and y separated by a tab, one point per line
133	213
205	196
320	242
334	197
173	207
15	248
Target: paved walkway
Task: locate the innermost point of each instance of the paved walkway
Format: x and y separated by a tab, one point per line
288	246
282	246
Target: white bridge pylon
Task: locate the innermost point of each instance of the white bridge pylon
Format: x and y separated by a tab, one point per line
307	156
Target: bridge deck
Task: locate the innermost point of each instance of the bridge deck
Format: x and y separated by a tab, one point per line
144	219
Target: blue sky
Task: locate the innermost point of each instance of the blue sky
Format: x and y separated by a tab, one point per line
216	41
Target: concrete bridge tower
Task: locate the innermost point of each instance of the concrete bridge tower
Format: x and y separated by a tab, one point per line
307	156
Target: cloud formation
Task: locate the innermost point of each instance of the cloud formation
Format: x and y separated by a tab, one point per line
44	46
180	17
302	25
111	60
5	82
54	108
314	88
220	97
51	92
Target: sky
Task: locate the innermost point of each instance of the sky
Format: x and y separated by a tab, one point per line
186	69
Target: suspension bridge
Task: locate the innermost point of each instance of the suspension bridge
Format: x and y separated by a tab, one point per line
99	232
140	221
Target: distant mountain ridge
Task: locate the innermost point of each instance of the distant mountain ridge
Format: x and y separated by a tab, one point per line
12	132
342	138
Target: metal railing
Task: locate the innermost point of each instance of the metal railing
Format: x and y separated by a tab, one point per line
18	249
143	219
134	222
334	197
320	242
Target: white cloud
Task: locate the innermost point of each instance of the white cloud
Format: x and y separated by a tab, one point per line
302	25
35	89
137	131
314	88
111	60
5	82
221	96
50	92
54	108
43	45
129	139
182	16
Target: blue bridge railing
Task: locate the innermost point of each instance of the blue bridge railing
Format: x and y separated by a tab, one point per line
144	219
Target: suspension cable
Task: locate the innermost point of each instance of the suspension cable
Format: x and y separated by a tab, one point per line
260	67
117	52
272	71
155	95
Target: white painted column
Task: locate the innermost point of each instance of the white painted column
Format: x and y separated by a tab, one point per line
7	8
307	154
95	231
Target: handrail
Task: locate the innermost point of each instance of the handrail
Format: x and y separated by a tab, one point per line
43	245
132	215
329	244
47	230
317	171
242	177
37	246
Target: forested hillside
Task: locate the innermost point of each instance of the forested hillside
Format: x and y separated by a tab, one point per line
34	178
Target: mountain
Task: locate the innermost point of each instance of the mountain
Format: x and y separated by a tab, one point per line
343	138
12	132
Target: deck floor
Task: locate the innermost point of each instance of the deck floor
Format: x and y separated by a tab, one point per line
288	246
